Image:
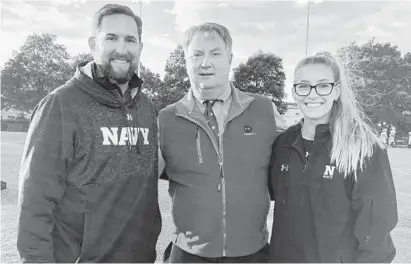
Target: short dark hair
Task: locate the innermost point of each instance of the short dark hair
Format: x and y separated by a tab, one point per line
114	9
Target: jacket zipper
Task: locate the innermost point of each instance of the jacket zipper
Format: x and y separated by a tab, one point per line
221	184
367	239
302	195
304	169
224	210
198	143
205	129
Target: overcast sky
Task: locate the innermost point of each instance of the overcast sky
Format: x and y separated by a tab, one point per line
270	26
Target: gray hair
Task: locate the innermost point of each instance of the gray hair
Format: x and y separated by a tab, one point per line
114	9
210	27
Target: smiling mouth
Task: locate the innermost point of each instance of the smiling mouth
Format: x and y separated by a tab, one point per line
121	61
313	105
206	74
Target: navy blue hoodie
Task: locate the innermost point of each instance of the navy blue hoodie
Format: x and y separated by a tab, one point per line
88	176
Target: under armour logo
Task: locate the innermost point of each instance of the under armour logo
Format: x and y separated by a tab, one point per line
329	172
284	167
129	117
307	154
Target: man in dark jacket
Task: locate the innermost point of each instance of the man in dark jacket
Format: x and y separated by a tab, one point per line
89	169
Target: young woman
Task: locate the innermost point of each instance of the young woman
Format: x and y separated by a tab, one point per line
330	176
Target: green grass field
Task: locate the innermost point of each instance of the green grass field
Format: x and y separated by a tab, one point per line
12	147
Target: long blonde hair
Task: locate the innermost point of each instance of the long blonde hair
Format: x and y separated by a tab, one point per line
352	137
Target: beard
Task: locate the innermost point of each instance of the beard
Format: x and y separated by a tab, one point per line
119	76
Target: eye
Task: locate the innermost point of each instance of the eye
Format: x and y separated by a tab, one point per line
216	54
131	40
323	85
111	38
303	86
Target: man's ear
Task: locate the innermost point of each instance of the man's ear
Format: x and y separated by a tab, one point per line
141	47
92	43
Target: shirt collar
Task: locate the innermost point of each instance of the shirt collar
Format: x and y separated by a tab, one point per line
224	96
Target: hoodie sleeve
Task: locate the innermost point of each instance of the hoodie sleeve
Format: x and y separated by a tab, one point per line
375	204
42	180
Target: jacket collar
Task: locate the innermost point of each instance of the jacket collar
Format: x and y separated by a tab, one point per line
239	100
322	132
294	139
135	84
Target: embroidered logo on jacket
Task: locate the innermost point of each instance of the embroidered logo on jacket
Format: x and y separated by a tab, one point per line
120	136
248	131
329	172
129	117
284	167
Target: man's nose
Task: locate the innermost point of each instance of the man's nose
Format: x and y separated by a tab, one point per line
206	63
121	46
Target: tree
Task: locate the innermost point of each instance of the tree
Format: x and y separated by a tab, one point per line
176	82
407	58
79	58
152	84
380	76
262	74
40	66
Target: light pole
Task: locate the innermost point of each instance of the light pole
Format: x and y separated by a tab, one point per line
308	26
139	62
141	9
308	22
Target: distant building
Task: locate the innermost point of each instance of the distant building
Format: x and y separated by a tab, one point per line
13	114
14	121
293	115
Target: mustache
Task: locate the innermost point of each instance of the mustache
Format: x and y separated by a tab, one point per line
118	56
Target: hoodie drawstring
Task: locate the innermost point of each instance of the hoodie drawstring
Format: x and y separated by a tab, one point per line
130	127
125	116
